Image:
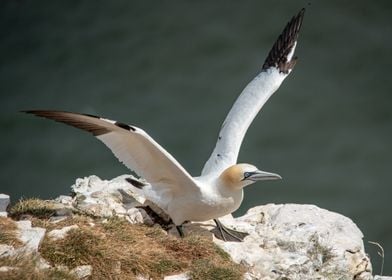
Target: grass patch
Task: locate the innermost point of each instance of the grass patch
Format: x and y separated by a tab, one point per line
8	232
24	267
76	249
34	207
68	221
165	266
114	248
211	270
119	250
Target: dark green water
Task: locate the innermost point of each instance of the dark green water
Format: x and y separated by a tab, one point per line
175	68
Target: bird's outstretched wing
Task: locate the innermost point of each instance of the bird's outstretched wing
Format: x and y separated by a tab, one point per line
276	68
131	145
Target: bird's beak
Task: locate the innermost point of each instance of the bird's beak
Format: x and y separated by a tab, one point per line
259	175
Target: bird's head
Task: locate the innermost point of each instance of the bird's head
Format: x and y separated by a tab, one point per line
243	174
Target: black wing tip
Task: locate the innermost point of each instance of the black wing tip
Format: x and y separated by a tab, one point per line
41	113
69	118
136	183
72	119
125	126
31	111
278	55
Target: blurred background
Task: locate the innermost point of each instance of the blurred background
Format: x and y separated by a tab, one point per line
174	68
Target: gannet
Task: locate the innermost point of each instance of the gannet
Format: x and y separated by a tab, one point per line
218	191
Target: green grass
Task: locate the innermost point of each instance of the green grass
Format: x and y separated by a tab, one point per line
206	269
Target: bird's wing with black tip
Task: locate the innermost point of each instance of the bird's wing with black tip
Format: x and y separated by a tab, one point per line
281	54
277	66
131	145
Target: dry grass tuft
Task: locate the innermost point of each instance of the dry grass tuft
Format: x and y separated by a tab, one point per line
212	270
119	250
25	268
68	221
34	207
76	249
8	232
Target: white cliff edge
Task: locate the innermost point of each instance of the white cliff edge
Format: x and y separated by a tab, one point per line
286	241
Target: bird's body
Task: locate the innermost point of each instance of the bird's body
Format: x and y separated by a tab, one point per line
218	191
214	200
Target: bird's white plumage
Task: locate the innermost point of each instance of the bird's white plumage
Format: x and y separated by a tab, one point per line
218	191
241	115
138	151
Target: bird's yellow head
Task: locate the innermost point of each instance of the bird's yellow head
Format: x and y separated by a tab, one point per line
241	175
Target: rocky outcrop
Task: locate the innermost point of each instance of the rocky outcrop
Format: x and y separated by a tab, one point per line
286	241
30	236
61	233
299	242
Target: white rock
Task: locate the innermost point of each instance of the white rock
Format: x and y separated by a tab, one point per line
41	263
105	198
4	201
7	268
138	216
63	210
378	277
182	276
250	276
31	236
82	271
61	233
64	199
3	214
298	242
57	219
6	250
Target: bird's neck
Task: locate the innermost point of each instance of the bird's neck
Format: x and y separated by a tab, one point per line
227	187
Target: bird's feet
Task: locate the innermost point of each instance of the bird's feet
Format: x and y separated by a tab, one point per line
227	234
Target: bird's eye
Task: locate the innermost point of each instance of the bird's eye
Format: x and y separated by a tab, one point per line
247	174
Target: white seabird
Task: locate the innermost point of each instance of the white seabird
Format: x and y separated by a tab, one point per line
218	191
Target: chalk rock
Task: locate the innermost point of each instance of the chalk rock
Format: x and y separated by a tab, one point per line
82	271
57	219
138	216
182	276
61	233
298	242
63	209
41	263
64	199
105	198
4	201
7	268
31	236
6	250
